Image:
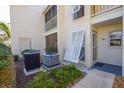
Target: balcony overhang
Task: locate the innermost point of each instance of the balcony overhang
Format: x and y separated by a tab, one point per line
113	14
114	21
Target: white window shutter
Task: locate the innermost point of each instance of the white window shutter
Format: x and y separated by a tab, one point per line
70	46
74	48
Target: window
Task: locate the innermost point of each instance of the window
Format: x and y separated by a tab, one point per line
52	12
51	40
82	52
115	38
51	18
78	11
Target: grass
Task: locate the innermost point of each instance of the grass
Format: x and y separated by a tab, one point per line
66	76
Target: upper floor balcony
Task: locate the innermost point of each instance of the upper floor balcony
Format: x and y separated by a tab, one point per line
51	24
99	9
105	13
51	18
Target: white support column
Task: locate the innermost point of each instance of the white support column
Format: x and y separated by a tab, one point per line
60	31
123	45
88	39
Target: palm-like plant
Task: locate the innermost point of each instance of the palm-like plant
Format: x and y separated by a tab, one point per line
4	32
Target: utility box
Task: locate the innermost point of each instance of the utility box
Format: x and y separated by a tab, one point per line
51	60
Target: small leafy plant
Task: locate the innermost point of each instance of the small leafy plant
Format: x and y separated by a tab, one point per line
57	78
51	49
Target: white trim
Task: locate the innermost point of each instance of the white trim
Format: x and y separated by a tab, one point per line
106	10
51	32
49	23
46	9
76	10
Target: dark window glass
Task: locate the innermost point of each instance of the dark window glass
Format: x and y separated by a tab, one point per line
116	38
54	10
79	13
51	40
48	16
115	42
51	13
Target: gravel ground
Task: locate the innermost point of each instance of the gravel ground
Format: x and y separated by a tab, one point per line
118	82
21	79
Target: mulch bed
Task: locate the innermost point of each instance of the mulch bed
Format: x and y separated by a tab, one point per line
21	79
118	82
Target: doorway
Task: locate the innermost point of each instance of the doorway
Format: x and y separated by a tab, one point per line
24	43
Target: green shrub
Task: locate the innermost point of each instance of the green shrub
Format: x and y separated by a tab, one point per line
7	75
3	46
7	69
42	80
4	55
3	64
61	77
66	75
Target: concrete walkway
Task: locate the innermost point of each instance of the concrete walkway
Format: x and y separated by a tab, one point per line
96	79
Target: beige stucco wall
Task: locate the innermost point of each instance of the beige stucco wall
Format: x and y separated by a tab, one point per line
61	31
26	23
83	24
106	53
51	31
29	23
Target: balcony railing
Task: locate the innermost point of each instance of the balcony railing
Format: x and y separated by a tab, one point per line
51	24
98	9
